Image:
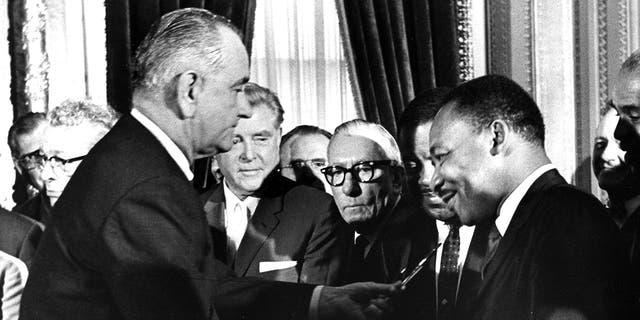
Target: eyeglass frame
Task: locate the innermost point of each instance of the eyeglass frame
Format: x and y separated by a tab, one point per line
58	163
375	164
22	161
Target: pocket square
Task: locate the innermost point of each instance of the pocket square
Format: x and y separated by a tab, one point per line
266	266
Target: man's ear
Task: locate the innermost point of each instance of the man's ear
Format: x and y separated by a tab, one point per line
189	87
499	131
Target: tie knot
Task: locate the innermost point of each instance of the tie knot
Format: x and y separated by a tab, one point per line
361	241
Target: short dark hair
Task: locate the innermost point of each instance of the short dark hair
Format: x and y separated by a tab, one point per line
25	124
304	130
257	95
493	97
180	36
422	108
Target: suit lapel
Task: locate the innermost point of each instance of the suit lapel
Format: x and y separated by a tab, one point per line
520	217
260	227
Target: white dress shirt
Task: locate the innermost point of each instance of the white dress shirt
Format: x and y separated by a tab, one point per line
237	214
508	207
466	233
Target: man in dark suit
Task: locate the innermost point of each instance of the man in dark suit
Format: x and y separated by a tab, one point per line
552	251
626	100
19	235
129	238
25	141
366	175
454	278
263	224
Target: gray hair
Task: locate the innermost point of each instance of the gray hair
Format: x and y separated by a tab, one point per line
373	131
183	37
72	113
257	95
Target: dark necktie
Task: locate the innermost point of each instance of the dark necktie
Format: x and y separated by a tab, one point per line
449	272
492	246
357	268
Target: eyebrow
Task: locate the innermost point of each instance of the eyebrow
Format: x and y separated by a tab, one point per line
264	133
239	82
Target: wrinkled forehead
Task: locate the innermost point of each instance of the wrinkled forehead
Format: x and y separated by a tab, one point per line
345	150
608	123
71	140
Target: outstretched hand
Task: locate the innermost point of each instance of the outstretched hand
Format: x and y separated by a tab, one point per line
363	300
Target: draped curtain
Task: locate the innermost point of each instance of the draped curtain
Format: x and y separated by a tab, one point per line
298	53
398	49
127	23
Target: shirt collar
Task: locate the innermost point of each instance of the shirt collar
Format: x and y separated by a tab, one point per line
173	150
510	204
231	200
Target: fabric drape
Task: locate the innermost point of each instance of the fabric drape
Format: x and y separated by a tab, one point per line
398	49
127	22
298	54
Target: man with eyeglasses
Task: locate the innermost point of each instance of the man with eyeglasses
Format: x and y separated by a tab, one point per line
74	128
303	152
265	225
25	141
366	175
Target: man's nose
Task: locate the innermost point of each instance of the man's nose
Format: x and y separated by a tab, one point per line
436	183
350	185
244	109
47	172
248	154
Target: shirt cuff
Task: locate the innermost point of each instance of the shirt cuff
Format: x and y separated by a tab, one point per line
313	304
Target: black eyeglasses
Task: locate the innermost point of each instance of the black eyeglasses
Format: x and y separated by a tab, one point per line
31	160
363	171
312	163
58	163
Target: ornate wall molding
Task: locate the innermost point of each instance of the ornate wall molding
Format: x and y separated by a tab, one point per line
465	40
511	41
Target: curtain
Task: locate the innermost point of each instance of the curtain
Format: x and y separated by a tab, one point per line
398	49
298	54
127	23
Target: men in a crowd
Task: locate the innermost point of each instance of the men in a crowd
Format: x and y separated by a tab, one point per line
303	153
626	99
614	175
366	175
25	141
552	251
129	238
456	273
263	224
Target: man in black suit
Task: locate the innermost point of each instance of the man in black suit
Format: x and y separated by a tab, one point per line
626	100
553	251
366	175
263	224
129	238
25	141
454	275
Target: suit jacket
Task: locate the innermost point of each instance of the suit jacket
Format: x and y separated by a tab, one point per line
407	237
631	238
560	254
419	298
291	223
129	240
19	235
36	208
